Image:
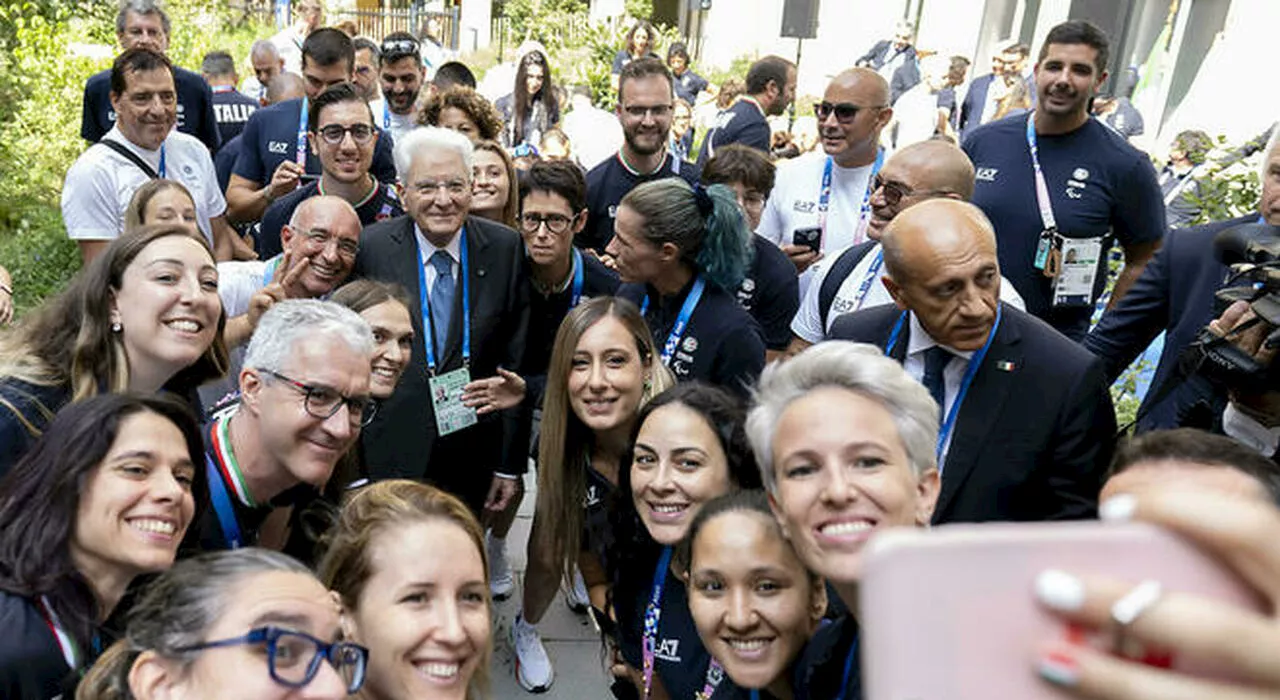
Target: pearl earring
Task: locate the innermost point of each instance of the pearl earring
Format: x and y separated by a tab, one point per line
116	327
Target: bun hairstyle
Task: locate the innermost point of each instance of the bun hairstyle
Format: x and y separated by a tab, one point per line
705	224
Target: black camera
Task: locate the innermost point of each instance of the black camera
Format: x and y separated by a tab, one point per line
1252	251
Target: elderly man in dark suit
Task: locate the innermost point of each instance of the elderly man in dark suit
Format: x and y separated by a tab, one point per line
1027	419
470	314
1174	294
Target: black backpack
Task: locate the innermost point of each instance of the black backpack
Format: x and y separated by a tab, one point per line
841	268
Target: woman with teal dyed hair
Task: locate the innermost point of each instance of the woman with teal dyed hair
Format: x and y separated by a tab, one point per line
683	252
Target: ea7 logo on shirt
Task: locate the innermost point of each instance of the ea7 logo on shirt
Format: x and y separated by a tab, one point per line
277	146
986	174
804	207
668	650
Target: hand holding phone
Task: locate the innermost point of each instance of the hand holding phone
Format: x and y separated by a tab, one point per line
810	237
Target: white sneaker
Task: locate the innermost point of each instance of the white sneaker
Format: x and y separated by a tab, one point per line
533	666
501	581
575	595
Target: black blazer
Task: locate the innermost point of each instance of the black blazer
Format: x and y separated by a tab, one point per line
1174	294
974	102
402	442
1034	436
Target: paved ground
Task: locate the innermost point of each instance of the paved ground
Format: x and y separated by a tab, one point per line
571	640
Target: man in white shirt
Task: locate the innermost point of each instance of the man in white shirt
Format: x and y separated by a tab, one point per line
142	145
831	191
402	75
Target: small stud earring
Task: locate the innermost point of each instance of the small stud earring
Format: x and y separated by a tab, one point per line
116	327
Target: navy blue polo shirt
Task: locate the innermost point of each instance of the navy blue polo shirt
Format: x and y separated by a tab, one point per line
721	345
1099	186
224	161
608	183
380	205
232	111
679	659
771	292
688	85
195	108
31	664
271	137
742	123
819	672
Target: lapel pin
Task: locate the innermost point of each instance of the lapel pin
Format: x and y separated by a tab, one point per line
480	272
1005	366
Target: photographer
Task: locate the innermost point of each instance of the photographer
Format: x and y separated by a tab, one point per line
1175	294
1251	417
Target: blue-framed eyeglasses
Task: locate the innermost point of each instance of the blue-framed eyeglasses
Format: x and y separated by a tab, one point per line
294	658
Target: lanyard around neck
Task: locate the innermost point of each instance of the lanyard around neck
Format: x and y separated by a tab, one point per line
66	643
824	197
302	135
652	614
686	311
870	278
1042	189
386	113
848	670
578	278
975	363
424	300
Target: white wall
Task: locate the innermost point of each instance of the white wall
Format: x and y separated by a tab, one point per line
475	24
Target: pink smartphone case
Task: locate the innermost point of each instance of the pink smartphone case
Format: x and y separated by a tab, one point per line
951	614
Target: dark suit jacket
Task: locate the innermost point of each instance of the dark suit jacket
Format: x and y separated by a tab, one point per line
905	76
974	101
402	442
1174	294
1035	433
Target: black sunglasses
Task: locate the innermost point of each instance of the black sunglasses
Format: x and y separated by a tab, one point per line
845	111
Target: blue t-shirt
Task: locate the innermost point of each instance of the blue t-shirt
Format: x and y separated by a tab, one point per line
771	292
688	84
380	205
679	660
608	183
232	110
271	137
742	123
1099	186
224	161
195	108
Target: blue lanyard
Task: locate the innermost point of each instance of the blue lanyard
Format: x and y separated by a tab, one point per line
386	114
824	195
1042	188
269	270
870	278
578	277
425	307
690	303
975	363
302	135
652	614
755	694
848	669
162	162
222	505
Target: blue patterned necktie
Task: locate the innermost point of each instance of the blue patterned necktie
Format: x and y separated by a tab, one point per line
441	300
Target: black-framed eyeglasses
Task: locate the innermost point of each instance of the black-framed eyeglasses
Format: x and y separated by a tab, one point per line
288	660
323	402
556	223
845	111
333	134
895	192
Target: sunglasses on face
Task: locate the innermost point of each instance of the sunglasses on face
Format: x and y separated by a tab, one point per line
845	111
895	192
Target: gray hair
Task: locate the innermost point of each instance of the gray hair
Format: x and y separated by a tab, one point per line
177	611
427	138
264	46
860	368
1266	152
288	322
141	7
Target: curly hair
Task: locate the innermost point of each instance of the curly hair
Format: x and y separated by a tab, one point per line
476	107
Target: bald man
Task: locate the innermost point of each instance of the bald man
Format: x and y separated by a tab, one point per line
850	278
827	195
1028	431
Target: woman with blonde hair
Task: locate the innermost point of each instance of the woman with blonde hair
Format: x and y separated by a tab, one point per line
161	202
603	369
494	185
407	562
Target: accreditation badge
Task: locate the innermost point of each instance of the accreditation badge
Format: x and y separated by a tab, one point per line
446	401
1079	265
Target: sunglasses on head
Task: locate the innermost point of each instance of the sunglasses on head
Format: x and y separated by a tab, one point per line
845	111
399	47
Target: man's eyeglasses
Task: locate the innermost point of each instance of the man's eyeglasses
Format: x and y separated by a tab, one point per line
322	402
895	192
320	239
556	223
333	134
753	201
640	112
294	658
844	111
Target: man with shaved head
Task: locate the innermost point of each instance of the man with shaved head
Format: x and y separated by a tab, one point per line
850	278
1027	421
828	194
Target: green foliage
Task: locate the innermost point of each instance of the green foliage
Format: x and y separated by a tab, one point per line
737	70
41	87
640	9
1227	190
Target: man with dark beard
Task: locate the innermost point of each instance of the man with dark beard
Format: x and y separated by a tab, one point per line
402	75
646	95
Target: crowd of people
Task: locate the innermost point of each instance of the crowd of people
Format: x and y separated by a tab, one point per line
272	437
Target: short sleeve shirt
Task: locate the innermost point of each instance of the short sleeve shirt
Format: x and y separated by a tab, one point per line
608	183
771	293
381	204
688	85
232	110
101	183
195	108
743	123
1099	187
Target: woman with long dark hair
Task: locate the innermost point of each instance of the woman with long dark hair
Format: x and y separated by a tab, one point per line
144	315
104	496
689	447
641	40
532	107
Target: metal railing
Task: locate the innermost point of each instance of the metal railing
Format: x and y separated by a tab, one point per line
374	24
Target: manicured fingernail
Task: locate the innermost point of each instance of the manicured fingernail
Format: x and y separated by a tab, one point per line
1059	667
1059	590
1118	508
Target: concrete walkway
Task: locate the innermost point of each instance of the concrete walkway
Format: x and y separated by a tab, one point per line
571	639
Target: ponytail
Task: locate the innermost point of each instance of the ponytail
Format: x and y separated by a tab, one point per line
705	224
108	678
726	246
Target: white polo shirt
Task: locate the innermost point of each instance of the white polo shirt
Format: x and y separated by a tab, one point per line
100	184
